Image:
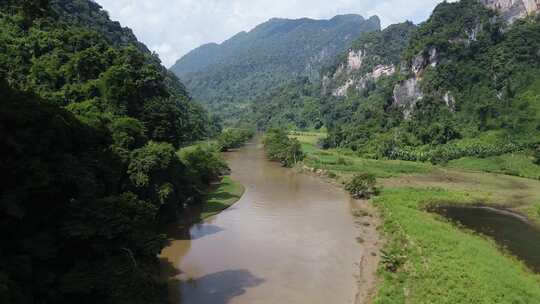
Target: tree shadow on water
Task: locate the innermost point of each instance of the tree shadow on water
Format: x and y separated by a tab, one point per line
194	232
199	231
218	288
169	274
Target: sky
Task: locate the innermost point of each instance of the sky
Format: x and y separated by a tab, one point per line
172	28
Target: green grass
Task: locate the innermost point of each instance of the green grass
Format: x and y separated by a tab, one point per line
518	164
439	263
345	162
308	137
228	193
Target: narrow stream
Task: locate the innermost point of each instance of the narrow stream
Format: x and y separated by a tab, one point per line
290	239
509	230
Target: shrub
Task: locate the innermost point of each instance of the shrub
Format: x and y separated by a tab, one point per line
439	157
362	185
392	259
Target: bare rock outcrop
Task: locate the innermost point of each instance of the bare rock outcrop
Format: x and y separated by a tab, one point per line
350	74
511	10
406	94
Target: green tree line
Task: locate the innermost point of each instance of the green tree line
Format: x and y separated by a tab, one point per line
90	128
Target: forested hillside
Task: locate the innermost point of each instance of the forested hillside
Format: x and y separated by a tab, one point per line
463	83
90	125
306	104
294	105
251	63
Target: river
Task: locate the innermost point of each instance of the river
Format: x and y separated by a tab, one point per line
290	239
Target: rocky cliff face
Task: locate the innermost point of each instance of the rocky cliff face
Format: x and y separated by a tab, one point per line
371	57
352	75
512	10
377	55
408	92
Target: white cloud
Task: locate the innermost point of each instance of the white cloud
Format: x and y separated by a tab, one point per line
172	28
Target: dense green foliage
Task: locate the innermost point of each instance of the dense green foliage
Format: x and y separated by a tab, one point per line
271	54
234	138
279	147
299	104
71	232
205	162
362	185
295	105
457	149
90	125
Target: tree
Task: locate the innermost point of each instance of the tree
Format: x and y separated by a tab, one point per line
70	229
280	147
205	163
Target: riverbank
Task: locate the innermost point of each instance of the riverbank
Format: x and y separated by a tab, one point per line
226	194
291	238
427	259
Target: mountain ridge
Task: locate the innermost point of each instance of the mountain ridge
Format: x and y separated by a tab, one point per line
270	54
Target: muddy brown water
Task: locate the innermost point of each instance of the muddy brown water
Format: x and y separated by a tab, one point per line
290	239
508	229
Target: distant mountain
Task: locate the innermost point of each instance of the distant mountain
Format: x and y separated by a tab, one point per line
279	50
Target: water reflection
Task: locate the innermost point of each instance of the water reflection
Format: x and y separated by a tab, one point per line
219	287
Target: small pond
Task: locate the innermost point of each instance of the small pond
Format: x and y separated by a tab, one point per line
508	229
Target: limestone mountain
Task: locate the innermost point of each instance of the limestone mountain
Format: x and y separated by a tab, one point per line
268	56
512	10
467	74
369	58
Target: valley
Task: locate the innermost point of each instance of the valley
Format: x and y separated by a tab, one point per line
291	238
334	160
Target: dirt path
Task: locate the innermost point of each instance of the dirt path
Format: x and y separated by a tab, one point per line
368	221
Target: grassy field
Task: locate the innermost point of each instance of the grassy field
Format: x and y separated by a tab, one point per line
344	162
520	194
518	164
228	193
427	259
